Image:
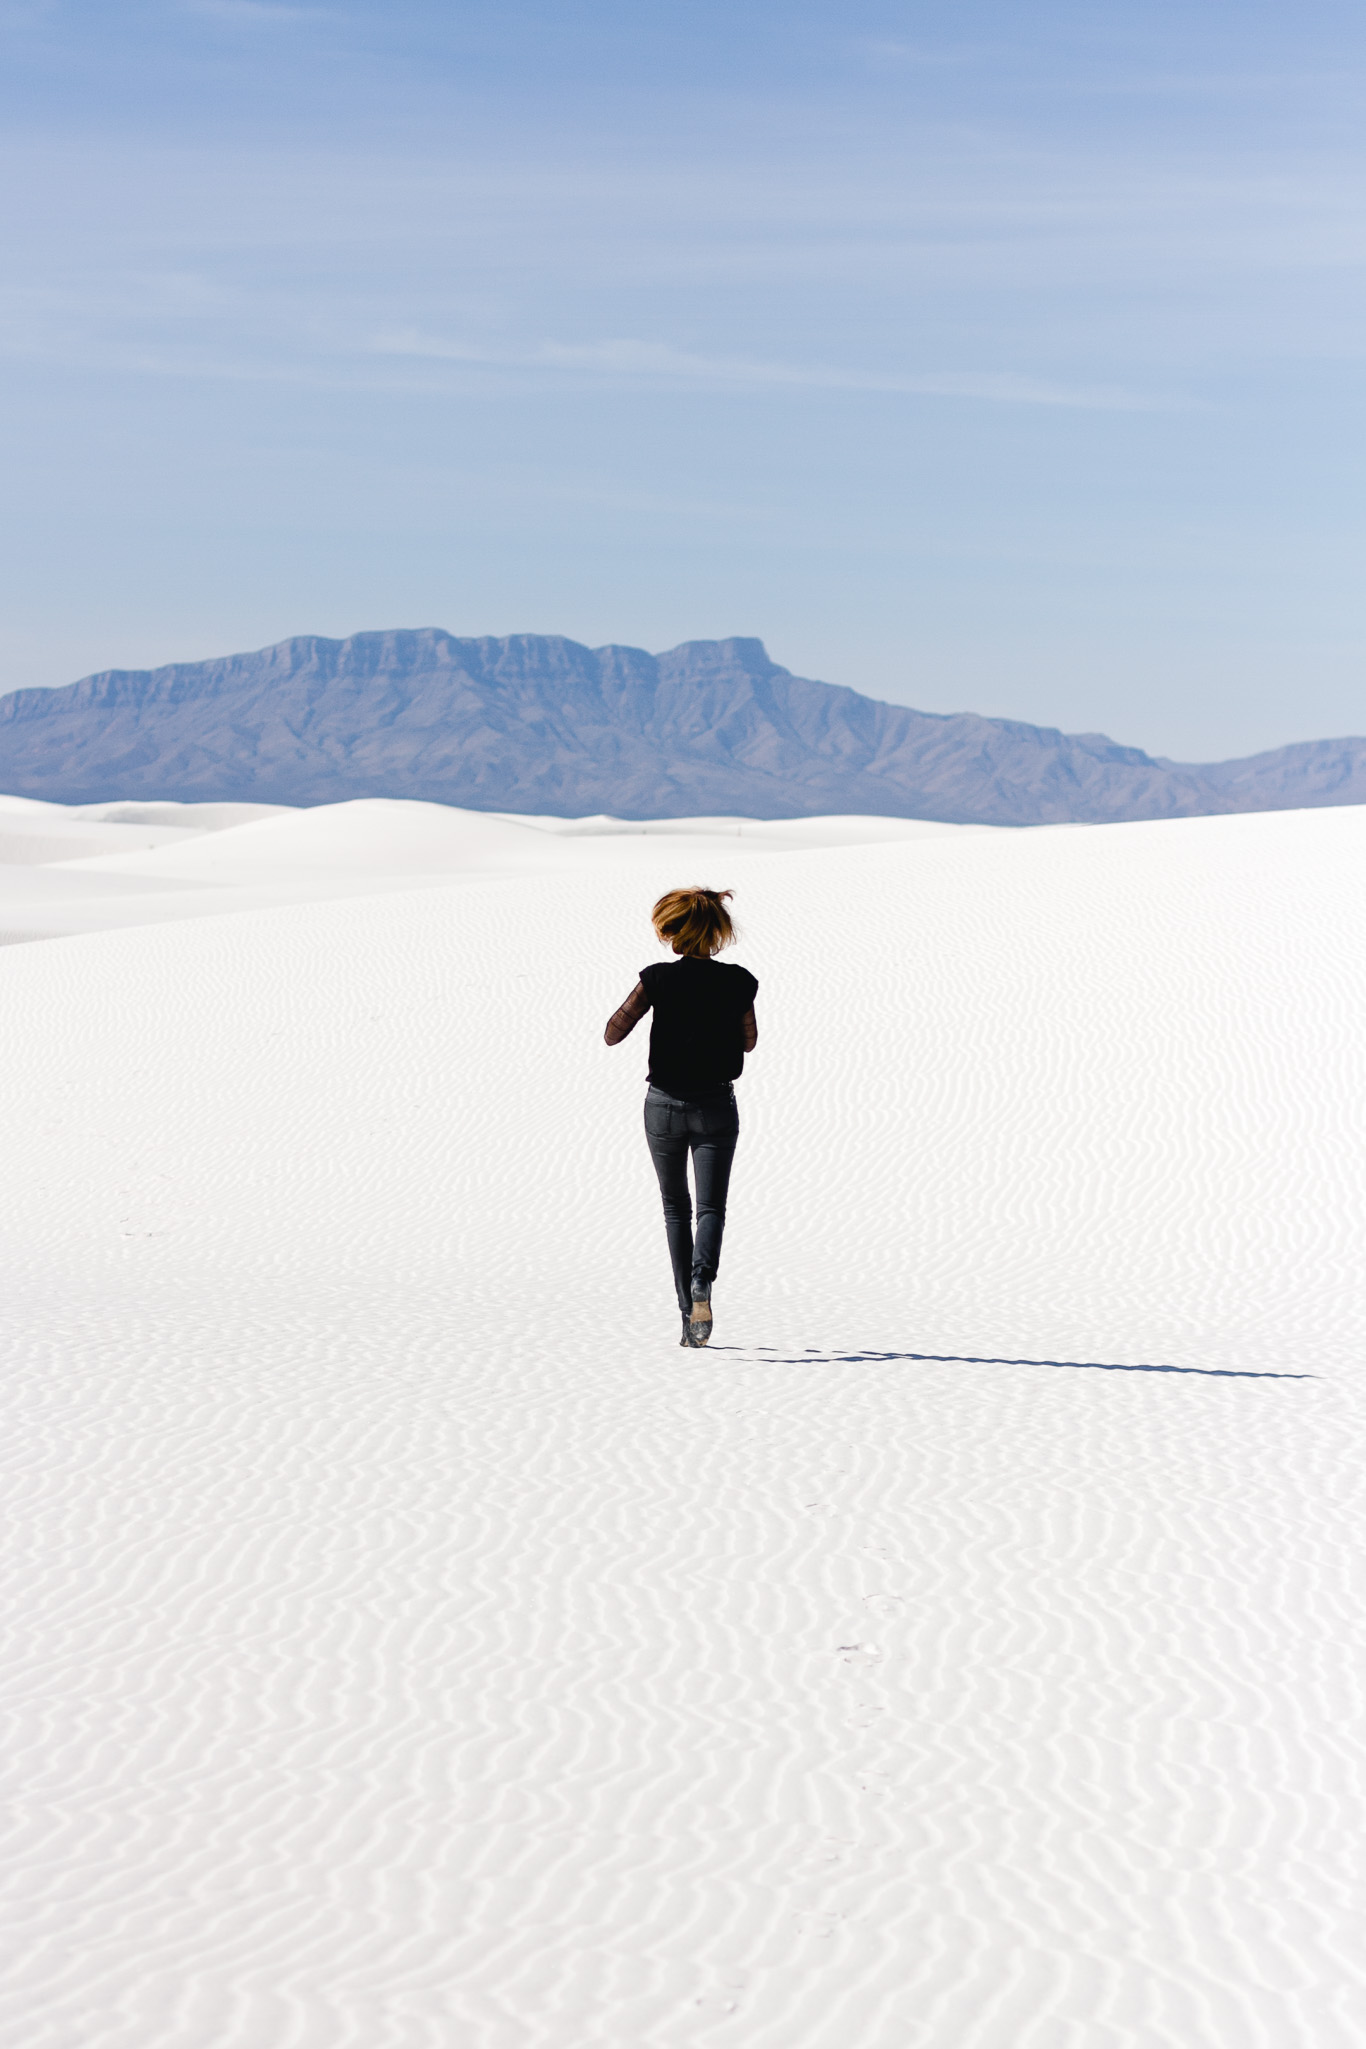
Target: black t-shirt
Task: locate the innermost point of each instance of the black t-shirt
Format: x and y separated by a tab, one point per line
697	1040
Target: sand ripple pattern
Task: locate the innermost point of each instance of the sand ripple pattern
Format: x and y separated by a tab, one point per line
405	1645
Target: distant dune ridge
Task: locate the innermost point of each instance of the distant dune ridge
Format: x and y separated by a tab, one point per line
536	723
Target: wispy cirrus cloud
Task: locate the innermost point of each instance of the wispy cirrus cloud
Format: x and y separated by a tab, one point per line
659	361
254	13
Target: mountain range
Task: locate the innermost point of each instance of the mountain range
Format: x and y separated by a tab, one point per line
538	723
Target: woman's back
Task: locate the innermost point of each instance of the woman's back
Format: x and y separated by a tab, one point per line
697	1038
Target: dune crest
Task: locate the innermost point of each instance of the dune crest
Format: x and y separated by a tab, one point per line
96	867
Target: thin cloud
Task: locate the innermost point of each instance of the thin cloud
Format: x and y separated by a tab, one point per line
932	56
1106	75
658	361
255	13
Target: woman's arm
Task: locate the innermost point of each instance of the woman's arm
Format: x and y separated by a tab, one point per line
750	1027
628	1017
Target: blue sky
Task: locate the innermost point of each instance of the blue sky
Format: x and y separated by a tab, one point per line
993	357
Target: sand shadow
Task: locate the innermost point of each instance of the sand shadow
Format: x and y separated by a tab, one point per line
813	1357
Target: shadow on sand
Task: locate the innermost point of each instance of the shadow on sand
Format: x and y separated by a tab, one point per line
813	1357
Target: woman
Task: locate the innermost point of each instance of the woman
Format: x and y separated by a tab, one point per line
703	1027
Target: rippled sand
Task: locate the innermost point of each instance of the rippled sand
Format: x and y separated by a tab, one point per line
409	1647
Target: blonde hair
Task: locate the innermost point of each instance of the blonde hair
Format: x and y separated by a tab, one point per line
694	921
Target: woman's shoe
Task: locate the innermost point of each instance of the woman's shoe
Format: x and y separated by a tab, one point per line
686	1338
699	1323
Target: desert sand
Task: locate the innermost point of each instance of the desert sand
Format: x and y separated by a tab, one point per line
98	867
408	1646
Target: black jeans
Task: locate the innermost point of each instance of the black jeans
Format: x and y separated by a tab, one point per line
706	1126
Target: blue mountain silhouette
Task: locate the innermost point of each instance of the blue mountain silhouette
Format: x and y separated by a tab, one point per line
537	723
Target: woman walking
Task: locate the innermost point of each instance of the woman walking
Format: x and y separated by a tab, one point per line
703	1027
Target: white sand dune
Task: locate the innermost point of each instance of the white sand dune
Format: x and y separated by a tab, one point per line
33	831
408	1646
101	866
390	836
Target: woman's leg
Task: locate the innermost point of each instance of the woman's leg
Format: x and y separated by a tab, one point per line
666	1134
713	1150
